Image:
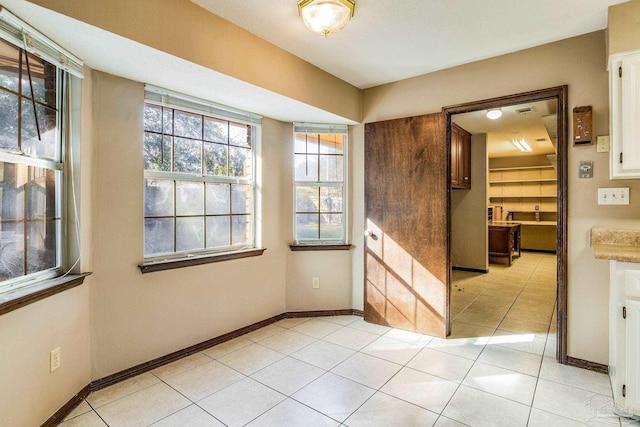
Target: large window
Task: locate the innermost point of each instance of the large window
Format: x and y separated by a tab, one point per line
199	179
31	154
320	183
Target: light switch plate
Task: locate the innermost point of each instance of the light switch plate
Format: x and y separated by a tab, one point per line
613	196
602	144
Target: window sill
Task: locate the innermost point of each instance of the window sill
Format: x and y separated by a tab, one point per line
38	291
320	247
170	264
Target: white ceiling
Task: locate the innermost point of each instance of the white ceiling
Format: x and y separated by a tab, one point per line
390	40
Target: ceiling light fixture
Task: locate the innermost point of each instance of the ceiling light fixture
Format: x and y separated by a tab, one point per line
326	17
494	113
521	145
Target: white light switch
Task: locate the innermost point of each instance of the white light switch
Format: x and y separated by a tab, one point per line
613	196
602	144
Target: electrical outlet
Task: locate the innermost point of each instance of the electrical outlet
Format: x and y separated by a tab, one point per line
54	359
613	196
315	282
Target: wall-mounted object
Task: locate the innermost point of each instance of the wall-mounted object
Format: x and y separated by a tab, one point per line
582	124
585	170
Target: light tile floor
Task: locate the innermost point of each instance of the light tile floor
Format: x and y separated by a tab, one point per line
498	369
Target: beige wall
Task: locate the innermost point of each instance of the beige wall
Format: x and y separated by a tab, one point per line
624	27
578	62
469	247
29	393
137	317
185	30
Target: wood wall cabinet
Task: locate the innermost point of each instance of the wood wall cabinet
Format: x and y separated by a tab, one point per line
624	110
460	158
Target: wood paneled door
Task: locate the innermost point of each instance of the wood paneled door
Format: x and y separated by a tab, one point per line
406	198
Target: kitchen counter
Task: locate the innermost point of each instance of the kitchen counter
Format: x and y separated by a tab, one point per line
616	244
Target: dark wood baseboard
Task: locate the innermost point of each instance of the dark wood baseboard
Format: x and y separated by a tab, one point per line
472	270
544	251
322	313
61	413
585	364
172	357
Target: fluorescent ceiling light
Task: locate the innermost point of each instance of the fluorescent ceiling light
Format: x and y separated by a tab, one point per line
521	145
494	113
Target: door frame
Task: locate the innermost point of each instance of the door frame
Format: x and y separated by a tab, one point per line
560	94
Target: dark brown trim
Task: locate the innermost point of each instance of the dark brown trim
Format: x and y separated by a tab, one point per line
560	94
322	313
41	290
320	247
61	413
472	270
585	364
172	357
170	264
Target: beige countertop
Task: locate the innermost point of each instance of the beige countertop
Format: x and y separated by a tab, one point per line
617	244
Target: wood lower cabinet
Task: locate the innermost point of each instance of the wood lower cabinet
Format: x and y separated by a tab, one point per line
504	240
460	158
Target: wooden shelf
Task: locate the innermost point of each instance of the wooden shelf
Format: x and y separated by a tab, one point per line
518	181
540	196
521	168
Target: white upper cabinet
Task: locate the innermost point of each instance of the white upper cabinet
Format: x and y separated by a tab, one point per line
624	98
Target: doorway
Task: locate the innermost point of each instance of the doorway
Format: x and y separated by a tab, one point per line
559	95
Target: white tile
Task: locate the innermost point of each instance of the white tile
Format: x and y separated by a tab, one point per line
143	407
575	377
287	342
181	365
367	370
369	327
501	382
440	364
334	396
241	402
291	322
288	375
264	332
343	320
351	338
409	337
539	418
469	348
82	408
227	347
392	350
477	408
191	416
121	389
251	359
519	361
292	414
317	328
530	343
383	410
201	381
428	391
323	354
88	419
570	402
447	422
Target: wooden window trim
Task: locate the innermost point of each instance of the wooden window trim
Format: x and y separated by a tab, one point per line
320	247
170	264
38	291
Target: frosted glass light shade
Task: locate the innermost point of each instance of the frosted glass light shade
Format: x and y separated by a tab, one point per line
326	16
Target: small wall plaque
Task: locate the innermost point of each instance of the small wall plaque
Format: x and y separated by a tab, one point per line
586	170
582	124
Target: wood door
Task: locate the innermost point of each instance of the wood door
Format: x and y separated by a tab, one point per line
406	198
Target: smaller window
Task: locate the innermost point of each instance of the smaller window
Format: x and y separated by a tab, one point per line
320	191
